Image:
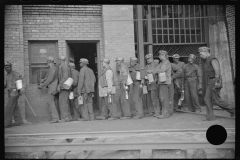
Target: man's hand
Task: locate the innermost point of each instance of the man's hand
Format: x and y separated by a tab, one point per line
109	92
40	86
22	90
149	71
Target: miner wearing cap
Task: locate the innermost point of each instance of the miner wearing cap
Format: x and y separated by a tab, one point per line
214	84
12	108
86	84
137	74
192	73
152	95
51	83
122	76
107	92
164	87
74	107
176	74
63	75
156	59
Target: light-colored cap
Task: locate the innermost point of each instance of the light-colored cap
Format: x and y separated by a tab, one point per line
70	64
7	64
50	58
163	52
149	56
62	57
106	60
83	60
176	56
133	59
203	49
192	56
119	59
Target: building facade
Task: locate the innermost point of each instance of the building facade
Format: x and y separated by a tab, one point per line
33	32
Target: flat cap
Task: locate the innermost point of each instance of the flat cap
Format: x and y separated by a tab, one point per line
50	58
62	57
149	56
163	52
83	60
192	56
106	60
156	57
70	64
133	59
176	56
119	59
203	49
7	64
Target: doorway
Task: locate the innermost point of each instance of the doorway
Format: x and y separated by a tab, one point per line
89	50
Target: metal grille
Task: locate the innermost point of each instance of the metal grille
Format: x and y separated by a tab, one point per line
178	24
182	50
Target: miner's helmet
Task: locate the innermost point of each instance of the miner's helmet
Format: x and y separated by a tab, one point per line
119	59
7	64
176	56
203	49
83	60
106	60
62	57
133	59
70	64
50	59
149	56
192	56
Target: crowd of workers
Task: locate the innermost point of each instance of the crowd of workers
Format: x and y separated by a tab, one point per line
162	82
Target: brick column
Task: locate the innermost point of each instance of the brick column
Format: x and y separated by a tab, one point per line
13	43
118	32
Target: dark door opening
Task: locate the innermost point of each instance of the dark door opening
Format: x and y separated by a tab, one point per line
76	51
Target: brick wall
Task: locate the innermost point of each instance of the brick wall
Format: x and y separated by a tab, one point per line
230	16
59	23
13	44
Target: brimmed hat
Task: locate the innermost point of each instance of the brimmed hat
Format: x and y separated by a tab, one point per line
50	58
163	52
192	56
119	59
176	56
106	60
7	64
149	56
133	59
83	60
203	49
62	57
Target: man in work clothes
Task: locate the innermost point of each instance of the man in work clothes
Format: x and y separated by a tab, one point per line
135	69
156	60
76	109
107	91
86	89
63	75
122	78
178	82
191	72
212	96
51	83
12	108
152	95
176	74
56	96
164	87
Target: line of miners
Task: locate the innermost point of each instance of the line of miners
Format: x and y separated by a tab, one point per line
161	82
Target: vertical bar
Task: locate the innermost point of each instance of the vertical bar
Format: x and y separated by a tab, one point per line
167	23
179	23
140	35
173	24
195	24
99	102
162	24
206	23
156	21
150	47
190	28
184	22
200	13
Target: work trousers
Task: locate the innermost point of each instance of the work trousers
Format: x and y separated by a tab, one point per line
175	95
123	102
64	105
76	109
56	100
171	95
87	107
109	109
137	99
191	94
52	107
153	101
164	96
12	109
212	97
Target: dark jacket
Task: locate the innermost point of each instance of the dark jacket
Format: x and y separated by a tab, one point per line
51	80
86	80
74	74
133	72
153	85
63	74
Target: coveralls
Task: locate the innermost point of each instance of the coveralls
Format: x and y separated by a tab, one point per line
12	108
176	73
77	109
153	92
51	83
137	90
190	74
86	88
164	87
106	83
63	75
56	96
212	95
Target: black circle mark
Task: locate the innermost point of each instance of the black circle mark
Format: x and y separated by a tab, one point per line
216	135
